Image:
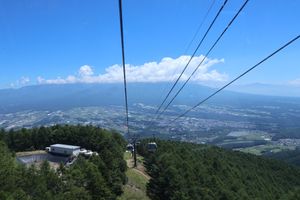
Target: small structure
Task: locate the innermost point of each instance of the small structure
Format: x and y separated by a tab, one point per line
152	146
64	149
87	153
130	147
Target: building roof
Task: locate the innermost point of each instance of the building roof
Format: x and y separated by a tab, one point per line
65	146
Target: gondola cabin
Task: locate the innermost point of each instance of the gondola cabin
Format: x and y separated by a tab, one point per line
152	147
129	147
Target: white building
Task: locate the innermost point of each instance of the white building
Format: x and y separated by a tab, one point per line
64	149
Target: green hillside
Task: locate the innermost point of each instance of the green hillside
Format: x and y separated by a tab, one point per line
289	156
98	177
176	170
135	189
191	171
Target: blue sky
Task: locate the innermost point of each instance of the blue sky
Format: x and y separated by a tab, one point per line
62	41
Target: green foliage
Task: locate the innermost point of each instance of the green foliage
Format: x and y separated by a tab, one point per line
131	193
289	156
191	171
99	177
7	173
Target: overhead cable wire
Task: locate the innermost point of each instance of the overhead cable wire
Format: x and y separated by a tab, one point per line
238	77
194	37
124	68
200	26
206	55
195	51
191	42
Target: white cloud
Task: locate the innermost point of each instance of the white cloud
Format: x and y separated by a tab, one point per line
85	70
24	80
167	69
21	82
295	82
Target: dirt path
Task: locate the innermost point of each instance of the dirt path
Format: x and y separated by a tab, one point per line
129	163
137	179
142	173
140	168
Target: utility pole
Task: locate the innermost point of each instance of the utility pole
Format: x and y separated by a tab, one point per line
134	152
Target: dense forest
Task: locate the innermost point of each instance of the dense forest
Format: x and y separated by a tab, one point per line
178	170
191	171
288	156
99	177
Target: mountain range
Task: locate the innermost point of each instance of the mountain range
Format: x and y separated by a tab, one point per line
65	96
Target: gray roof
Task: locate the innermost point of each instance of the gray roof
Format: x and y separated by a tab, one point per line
65	146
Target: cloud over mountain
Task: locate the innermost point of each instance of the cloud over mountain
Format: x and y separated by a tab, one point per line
168	69
23	81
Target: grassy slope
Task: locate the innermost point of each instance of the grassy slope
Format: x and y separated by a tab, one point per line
135	189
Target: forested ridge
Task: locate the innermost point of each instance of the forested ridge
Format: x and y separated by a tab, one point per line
99	177
178	170
288	156
190	171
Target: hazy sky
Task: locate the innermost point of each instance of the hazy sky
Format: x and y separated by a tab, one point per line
63	41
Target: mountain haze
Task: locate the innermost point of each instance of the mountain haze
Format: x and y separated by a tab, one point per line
64	96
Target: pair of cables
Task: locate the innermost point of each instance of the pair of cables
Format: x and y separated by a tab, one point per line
158	114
